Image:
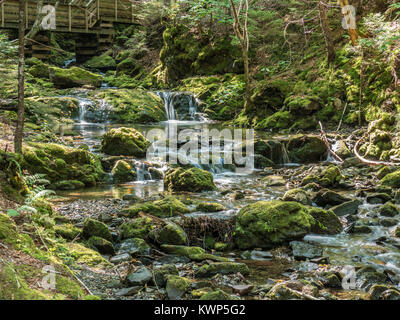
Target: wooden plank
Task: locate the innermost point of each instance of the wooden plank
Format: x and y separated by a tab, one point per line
2	14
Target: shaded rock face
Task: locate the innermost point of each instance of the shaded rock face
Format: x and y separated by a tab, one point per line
305	149
139	277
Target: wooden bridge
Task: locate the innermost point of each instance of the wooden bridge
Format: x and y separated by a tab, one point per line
91	20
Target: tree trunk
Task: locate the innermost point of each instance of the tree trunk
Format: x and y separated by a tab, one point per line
244	43
21	79
350	21
327	33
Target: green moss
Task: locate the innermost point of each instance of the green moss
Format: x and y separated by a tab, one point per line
123	172
13	286
217	295
279	120
192	179
267	223
103	62
102	245
74	77
75	252
124	141
182	250
67	231
177	286
136	228
133	106
391	180
8	230
210	207
167	207
69	287
171	234
93	227
68	184
330	176
128	66
60	163
327	221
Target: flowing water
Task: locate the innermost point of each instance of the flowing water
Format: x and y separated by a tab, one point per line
342	249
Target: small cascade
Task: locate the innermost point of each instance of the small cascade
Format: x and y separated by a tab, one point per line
142	171
285	155
68	62
181	106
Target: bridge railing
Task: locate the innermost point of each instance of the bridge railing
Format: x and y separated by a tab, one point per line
72	16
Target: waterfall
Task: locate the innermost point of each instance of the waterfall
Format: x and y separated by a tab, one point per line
285	155
181	106
142	171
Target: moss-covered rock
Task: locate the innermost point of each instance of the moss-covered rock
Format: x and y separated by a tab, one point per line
67	231
38	69
330	177
306	148
103	62
60	163
136	228
69	185
193	253
167	207
268	223
189	179
102	245
132	106
161	274
123	172
391	180
74	77
279	120
124	141
298	195
210	207
92	227
171	233
128	66
83	255
326	221
222	268
8	229
389	210
176	287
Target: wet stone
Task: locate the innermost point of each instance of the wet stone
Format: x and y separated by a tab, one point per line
139	277
302	250
346	208
121	258
128	291
378	198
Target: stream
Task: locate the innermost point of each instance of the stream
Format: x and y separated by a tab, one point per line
353	249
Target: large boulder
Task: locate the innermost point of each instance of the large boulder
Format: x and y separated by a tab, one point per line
136	228
189	179
306	148
74	77
132	105
265	224
124	141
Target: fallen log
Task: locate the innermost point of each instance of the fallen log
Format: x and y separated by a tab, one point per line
370	162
